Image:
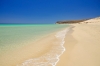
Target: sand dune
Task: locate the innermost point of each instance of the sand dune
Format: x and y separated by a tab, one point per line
94	20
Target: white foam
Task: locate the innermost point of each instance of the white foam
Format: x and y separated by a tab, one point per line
52	57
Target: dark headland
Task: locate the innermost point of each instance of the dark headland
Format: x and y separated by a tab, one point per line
71	21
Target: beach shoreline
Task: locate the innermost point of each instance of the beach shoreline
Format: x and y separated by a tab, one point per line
56	49
38	49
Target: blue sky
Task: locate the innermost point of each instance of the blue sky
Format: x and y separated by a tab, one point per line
47	11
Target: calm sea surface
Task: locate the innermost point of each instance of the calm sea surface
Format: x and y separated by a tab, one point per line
13	36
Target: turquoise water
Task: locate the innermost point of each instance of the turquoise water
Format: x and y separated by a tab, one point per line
14	35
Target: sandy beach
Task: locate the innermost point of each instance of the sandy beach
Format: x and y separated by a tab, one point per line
49	32
82	46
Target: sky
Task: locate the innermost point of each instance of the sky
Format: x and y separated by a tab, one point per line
47	11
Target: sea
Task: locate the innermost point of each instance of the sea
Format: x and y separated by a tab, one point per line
13	36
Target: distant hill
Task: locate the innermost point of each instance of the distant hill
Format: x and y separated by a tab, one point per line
71	21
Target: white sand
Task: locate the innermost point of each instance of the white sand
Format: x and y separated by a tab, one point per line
82	46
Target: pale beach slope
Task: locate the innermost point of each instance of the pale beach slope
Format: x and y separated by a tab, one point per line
82	45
